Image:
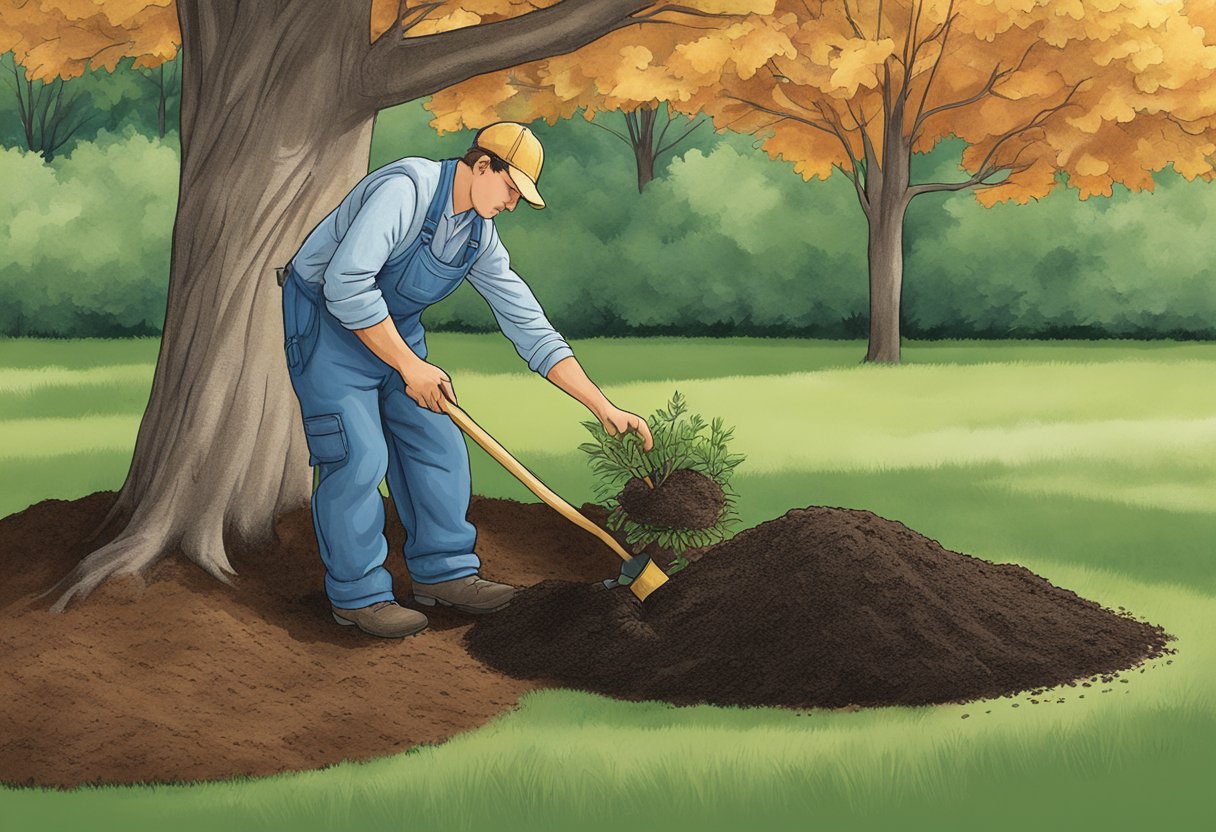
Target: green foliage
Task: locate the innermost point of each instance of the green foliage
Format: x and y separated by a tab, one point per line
723	242
97	101
728	242
680	441
87	239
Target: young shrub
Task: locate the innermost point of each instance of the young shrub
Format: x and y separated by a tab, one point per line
678	495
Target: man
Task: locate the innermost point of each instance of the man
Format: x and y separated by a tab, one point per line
405	237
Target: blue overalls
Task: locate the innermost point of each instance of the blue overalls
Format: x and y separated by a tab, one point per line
360	425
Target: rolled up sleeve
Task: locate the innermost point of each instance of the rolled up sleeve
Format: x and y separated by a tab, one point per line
378	226
519	314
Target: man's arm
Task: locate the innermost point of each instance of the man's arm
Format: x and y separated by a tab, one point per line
523	321
569	376
352	296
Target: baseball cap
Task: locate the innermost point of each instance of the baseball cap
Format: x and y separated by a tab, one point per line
516	145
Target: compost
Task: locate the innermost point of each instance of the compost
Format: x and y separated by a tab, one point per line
686	499
819	607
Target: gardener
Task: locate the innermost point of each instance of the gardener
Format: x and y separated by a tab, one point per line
401	240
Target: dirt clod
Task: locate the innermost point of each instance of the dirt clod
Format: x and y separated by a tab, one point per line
819	607
686	499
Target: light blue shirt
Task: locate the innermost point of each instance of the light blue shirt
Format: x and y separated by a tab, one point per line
379	219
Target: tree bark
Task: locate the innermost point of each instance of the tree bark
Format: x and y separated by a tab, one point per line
886	284
277	106
887	194
643	145
269	145
160	107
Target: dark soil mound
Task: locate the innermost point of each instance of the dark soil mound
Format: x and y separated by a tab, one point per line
685	500
819	607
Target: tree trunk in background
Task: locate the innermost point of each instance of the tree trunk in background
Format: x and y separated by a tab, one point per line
887	192
886	283
644	153
269	146
160	109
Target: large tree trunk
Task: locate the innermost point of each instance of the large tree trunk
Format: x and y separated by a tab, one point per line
269	145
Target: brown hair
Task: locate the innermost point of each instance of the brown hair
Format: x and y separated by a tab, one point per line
474	153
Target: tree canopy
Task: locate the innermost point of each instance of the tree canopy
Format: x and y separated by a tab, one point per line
1107	90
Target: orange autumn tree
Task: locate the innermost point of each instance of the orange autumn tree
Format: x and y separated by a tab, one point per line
622	73
277	106
1105	90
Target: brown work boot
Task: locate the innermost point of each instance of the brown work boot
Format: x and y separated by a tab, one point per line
386	619
471	594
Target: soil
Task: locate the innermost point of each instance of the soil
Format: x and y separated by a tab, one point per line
173	676
820	607
179	677
684	500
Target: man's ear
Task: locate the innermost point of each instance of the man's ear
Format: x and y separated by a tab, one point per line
483	164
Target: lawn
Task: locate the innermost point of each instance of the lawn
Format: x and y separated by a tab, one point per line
1094	464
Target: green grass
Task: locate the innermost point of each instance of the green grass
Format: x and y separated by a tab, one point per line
1090	463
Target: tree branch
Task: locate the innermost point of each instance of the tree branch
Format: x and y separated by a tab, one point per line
675	142
997	75
616	133
984	169
830	128
396	70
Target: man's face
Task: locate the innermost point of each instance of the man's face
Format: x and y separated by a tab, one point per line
493	191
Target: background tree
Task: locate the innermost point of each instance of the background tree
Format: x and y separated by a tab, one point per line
1106	91
166	87
49	117
276	117
647	145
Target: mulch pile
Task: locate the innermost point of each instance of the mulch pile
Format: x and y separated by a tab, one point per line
820	607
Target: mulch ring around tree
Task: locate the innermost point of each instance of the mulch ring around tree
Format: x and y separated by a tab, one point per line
174	676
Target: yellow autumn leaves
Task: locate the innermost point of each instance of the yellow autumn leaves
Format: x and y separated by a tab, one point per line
62	38
1108	90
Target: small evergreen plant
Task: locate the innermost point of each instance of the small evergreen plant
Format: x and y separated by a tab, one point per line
681	441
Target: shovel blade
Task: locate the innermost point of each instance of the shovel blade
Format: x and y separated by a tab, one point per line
650	579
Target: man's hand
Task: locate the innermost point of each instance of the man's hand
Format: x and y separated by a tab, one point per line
427	384
617	421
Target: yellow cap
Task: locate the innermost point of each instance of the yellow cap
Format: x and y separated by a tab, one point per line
516	145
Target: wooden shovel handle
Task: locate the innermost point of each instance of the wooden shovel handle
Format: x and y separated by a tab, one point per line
504	458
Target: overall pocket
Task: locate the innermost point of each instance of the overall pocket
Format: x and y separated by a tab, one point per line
326	438
301	324
426	280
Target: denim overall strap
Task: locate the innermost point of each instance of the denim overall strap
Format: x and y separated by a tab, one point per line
447	175
430	225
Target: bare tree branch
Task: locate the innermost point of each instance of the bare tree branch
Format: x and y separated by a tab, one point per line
924	95
985	170
675	142
616	133
396	70
997	75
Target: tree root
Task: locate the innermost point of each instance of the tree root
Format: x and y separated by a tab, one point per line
133	552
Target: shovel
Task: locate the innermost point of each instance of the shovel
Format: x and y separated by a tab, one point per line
640	574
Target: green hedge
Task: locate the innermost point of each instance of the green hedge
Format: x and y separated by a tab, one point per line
86	240
725	241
